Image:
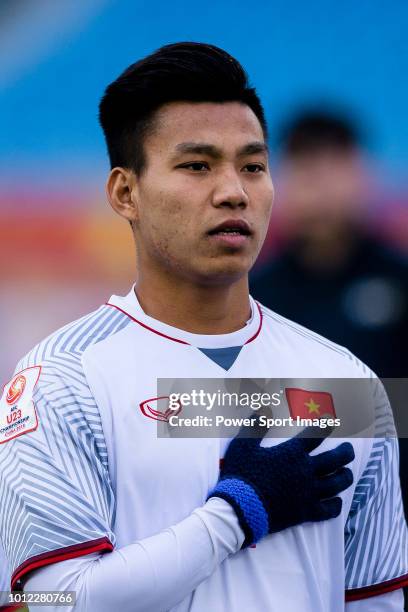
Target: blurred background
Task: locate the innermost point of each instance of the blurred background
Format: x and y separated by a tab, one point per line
62	250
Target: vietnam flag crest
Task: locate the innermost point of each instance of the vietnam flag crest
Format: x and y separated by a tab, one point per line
310	404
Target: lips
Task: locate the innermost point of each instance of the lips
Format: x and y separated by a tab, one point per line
231	227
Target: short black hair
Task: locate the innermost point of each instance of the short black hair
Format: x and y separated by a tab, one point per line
312	131
185	71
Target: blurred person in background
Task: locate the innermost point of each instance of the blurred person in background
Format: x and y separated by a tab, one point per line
334	275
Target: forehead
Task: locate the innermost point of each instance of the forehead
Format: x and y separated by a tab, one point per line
226	125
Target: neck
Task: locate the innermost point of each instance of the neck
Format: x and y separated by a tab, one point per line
328	250
196	309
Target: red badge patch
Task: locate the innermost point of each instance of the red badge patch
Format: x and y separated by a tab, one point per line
18	415
310	404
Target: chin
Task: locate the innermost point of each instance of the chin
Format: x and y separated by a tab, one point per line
225	273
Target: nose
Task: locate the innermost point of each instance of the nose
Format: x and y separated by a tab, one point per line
229	191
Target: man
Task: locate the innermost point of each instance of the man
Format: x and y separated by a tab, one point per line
93	500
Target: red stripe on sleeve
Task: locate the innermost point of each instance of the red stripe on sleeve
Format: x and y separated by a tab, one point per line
377	589
61	554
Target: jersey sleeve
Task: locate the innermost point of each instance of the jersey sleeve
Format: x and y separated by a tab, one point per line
376	538
4	579
56	496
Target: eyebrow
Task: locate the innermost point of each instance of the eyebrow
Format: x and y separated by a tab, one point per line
253	148
202	148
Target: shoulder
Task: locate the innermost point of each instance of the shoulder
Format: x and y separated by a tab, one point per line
63	349
52	377
50	386
309	343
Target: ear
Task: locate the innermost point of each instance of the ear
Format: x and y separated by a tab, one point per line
120	186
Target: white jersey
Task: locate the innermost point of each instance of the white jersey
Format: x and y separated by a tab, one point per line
4	574
82	469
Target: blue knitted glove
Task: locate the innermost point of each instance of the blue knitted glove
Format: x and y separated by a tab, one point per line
274	488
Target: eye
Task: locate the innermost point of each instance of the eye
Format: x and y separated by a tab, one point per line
195	166
254	168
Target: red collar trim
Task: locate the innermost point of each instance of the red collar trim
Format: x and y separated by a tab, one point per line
256	334
155	331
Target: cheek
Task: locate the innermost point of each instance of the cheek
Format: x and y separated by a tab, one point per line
266	199
164	220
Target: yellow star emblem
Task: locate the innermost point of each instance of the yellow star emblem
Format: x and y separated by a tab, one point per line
312	406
